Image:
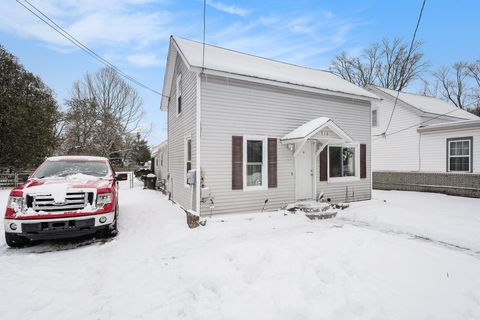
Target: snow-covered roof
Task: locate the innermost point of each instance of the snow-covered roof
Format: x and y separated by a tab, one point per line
155	149
429	104
464	124
234	62
81	158
307	130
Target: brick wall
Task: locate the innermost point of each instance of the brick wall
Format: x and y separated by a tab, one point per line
458	184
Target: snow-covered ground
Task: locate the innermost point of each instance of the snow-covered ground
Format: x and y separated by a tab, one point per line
403	255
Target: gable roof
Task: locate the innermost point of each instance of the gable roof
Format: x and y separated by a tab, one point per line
312	127
156	148
428	104
236	63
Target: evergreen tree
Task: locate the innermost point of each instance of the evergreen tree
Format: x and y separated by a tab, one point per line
28	115
140	151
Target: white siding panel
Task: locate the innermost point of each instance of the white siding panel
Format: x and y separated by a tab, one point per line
433	148
234	107
399	151
179	127
162	171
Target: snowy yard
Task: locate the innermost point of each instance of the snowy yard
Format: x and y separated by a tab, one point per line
402	255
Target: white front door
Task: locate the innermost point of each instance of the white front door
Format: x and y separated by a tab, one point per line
304	172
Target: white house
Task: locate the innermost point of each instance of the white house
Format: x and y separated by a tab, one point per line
253	131
160	160
429	142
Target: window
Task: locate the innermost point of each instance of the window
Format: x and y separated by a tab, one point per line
255	155
459	154
156	161
374	118
342	161
161	159
179	94
188	157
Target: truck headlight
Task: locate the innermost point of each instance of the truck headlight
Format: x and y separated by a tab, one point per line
103	199
15	203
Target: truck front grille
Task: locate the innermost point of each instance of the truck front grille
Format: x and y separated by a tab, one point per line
73	201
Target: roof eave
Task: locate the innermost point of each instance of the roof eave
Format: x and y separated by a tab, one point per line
450	126
169	69
281	83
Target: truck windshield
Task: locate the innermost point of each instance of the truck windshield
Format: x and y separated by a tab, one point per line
66	168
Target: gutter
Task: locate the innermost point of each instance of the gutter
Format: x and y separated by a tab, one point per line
277	82
450	125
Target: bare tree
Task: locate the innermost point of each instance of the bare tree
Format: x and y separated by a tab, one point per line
474	72
386	64
458	84
103	111
454	84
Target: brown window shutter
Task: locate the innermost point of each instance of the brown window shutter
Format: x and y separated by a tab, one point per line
272	162
323	164
237	162
363	161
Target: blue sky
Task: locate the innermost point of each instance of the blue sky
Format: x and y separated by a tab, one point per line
133	34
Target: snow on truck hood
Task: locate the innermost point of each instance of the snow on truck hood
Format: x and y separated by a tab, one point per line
58	187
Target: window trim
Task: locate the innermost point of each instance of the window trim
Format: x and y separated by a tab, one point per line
356	177
264	185
470	163
376	118
185	157
178	93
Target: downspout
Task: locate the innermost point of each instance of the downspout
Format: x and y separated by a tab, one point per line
419	151
198	131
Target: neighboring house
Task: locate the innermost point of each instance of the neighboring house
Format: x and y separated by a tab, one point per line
430	144
249	129
160	161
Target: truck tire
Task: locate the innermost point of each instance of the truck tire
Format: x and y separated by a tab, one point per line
16	241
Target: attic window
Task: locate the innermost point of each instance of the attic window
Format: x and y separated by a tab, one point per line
374	118
179	94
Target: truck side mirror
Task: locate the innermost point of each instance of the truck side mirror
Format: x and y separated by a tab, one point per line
121	177
21	178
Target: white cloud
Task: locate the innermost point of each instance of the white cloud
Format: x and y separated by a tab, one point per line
102	22
231	9
305	39
146	60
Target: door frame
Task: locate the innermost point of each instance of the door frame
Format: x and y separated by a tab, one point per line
312	145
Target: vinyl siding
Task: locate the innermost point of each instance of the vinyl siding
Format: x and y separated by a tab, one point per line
239	108
179	127
399	151
434	148
161	171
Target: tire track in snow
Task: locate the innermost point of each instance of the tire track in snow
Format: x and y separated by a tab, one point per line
366	225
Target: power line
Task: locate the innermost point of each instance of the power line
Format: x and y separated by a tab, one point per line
52	24
405	65
415	125
204	28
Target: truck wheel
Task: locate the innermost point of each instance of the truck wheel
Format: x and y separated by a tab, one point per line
16	241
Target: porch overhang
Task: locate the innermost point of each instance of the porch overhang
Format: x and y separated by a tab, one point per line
321	130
